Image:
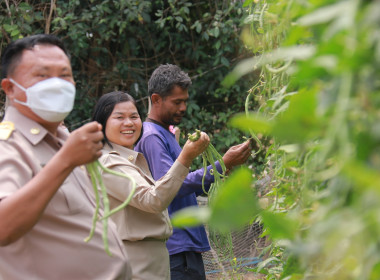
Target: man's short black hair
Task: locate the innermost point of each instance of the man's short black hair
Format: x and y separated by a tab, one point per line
12	53
165	78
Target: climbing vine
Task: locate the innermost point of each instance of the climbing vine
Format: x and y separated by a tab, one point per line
316	102
319	93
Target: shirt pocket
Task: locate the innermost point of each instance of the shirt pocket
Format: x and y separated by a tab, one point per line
68	200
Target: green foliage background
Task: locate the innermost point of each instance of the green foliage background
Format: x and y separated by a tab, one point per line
116	45
310	89
317	97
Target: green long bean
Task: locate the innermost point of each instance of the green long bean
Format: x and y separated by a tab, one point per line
94	169
210	155
222	241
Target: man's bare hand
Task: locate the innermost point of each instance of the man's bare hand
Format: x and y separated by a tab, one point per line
237	155
83	145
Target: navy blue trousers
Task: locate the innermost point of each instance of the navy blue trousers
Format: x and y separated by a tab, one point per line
187	266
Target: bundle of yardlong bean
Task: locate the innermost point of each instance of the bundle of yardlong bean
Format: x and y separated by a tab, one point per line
94	169
222	241
210	156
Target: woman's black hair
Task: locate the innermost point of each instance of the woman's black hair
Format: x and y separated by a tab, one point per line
105	106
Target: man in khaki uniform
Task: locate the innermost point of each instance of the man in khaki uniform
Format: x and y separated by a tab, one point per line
46	206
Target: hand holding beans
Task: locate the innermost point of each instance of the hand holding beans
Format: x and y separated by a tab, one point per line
83	145
237	155
193	148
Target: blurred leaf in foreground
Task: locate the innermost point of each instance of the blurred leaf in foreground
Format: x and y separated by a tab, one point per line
250	64
252	122
299	122
279	226
235	203
190	216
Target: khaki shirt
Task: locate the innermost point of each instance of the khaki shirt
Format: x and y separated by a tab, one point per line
54	248
146	216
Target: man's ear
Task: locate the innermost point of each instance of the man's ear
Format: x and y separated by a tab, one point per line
156	98
8	87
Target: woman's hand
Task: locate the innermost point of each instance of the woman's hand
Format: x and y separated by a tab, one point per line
192	149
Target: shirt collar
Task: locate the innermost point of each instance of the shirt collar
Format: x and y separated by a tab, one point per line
156	122
124	152
30	129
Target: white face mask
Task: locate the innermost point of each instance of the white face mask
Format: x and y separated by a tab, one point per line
51	99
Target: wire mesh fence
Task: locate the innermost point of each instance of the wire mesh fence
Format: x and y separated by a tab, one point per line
233	254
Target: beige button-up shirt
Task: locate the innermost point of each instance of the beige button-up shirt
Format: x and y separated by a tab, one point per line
146	216
55	247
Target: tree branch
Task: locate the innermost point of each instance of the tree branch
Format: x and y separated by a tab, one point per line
48	21
9	11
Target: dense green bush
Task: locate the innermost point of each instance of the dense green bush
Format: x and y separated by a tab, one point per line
117	45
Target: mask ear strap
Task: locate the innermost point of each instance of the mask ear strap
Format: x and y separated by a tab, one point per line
20	102
17	84
21	87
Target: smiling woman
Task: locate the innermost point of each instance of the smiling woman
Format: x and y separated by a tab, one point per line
124	125
143	225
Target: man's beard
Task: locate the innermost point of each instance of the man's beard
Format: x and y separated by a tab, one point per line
171	121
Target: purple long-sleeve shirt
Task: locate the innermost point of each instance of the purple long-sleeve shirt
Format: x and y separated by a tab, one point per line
161	149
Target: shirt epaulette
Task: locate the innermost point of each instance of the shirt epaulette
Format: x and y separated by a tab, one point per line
6	129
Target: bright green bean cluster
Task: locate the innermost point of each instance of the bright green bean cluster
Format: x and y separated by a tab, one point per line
94	170
195	137
222	240
210	156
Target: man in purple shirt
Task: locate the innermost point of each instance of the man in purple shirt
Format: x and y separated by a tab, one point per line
168	90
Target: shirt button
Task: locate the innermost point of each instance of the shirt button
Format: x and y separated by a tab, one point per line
130	158
35	130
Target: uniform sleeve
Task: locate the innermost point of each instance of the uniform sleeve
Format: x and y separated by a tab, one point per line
150	196
14	172
160	161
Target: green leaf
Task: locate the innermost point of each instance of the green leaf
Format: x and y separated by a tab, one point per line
324	14
217	46
362	175
278	225
291	148
8	27
247	3
299	122
199	28
224	61
15	32
252	122
230	79
190	216
281	54
216	32
375	273
235	203
205	36
265	263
